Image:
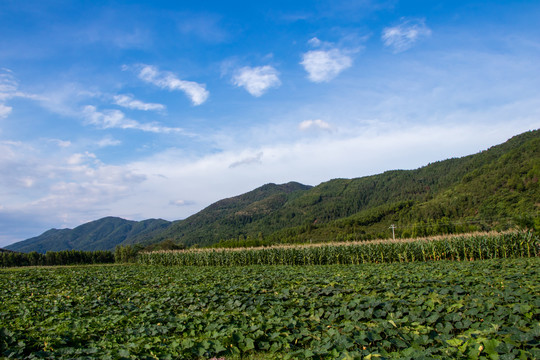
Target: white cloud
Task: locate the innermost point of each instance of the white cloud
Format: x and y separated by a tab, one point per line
129	102
257	80
403	36
80	158
314	124
4	111
324	65
57	182
167	80
108	119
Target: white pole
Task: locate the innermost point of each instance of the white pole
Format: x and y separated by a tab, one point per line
393	233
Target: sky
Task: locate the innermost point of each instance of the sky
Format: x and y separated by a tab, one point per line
156	109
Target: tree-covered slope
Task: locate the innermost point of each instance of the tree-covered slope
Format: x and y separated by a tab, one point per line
494	189
229	217
102	234
476	192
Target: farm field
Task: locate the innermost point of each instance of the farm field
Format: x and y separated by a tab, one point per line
444	309
448	247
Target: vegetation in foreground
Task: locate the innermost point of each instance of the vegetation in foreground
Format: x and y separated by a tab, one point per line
481	309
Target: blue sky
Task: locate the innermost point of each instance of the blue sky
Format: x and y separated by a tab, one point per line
156	109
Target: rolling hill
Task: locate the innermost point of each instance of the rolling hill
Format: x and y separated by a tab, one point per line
102	234
495	189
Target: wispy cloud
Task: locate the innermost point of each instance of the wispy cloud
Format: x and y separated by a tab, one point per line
181	202
314	124
129	102
108	119
403	36
8	84
167	80
257	80
325	64
80	158
108	141
61	143
9	90
205	26
247	161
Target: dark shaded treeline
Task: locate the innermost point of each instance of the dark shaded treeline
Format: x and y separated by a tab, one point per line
121	255
67	257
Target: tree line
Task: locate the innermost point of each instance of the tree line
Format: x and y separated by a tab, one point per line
65	257
122	254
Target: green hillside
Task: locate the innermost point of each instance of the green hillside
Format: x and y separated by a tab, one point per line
495	189
230	217
102	234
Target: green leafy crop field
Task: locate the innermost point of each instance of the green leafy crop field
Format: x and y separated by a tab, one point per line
469	309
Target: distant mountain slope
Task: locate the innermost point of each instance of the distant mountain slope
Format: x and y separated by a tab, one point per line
102	234
488	190
476	192
226	218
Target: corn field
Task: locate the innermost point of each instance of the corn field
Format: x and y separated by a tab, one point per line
457	248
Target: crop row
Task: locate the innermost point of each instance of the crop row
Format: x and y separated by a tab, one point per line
460	248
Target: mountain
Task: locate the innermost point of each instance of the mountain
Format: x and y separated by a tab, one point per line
488	190
495	189
230	217
102	234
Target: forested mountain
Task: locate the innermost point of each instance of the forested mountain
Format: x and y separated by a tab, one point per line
231	217
102	234
494	189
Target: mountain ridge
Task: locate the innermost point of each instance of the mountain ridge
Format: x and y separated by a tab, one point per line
102	234
476	191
